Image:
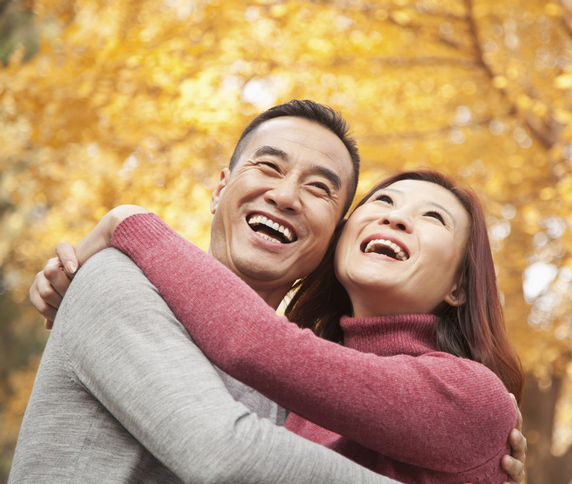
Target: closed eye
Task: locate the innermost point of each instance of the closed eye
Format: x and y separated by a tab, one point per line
269	164
323	187
437	216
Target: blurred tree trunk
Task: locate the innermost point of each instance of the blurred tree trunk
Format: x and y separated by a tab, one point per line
538	406
16	27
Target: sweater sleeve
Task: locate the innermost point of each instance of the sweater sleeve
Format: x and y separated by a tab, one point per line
121	347
435	411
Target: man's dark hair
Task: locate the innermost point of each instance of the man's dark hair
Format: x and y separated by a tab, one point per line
317	113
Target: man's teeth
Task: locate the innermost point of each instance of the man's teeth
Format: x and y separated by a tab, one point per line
372	244
262	220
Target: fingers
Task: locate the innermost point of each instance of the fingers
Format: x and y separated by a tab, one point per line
519	414
514	468
518	445
57	282
514	465
68	258
41	289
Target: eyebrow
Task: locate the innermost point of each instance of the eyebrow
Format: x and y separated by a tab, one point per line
270	151
321	170
440	207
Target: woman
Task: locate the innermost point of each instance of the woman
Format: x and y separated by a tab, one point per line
416	392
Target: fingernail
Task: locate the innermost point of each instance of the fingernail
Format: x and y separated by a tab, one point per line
71	267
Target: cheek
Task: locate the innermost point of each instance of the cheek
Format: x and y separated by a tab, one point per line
439	259
337	257
342	264
445	267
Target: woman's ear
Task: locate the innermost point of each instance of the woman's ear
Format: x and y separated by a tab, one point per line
217	193
456	296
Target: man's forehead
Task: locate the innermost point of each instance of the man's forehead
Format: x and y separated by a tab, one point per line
282	126
293	135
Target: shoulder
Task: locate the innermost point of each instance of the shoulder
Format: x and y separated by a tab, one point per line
458	365
476	389
108	296
485	399
108	262
109	275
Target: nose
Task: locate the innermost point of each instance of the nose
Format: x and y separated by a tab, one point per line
398	220
285	196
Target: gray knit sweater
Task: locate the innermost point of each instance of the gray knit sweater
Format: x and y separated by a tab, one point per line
124	396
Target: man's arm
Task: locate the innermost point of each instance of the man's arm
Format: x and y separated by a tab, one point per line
128	350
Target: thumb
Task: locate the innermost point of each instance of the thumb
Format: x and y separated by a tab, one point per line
68	258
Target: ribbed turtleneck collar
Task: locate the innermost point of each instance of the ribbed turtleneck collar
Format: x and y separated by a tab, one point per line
409	334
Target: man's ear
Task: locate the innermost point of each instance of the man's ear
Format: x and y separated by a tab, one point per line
217	193
456	296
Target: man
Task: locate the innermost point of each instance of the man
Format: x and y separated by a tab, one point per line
291	178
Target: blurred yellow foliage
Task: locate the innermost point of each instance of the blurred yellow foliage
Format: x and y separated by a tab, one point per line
142	102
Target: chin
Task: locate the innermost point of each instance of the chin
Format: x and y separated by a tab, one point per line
264	272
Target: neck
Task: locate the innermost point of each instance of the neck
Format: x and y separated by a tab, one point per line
410	334
371	304
367	311
272	295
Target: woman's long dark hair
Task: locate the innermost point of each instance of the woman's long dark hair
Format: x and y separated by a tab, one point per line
474	330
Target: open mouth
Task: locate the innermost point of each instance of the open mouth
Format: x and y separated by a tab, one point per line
385	247
270	230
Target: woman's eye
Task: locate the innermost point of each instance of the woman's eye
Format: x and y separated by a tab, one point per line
437	216
384	198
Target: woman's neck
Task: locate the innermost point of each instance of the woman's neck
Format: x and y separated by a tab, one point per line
375	303
372	308
411	334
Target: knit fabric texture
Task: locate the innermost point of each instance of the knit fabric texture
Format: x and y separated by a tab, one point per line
404	409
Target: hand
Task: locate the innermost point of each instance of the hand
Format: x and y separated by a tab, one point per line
514	465
100	237
51	284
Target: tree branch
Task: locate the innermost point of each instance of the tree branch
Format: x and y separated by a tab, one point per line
538	128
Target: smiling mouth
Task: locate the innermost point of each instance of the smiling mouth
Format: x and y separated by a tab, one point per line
387	248
270	230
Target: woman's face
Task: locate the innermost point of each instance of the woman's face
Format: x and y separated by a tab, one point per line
399	252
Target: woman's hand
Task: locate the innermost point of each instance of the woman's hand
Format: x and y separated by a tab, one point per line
51	284
100	237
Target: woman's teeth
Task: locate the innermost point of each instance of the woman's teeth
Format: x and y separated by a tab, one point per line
262	220
377	244
267	237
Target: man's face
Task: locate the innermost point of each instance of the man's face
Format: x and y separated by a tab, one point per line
275	213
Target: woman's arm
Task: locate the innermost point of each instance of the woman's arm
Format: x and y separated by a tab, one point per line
458	408
51	284
124	346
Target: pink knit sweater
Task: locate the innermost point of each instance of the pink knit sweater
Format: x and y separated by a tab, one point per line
404	409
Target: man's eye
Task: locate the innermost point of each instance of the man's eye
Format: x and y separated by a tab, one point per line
384	198
322	186
269	164
437	216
